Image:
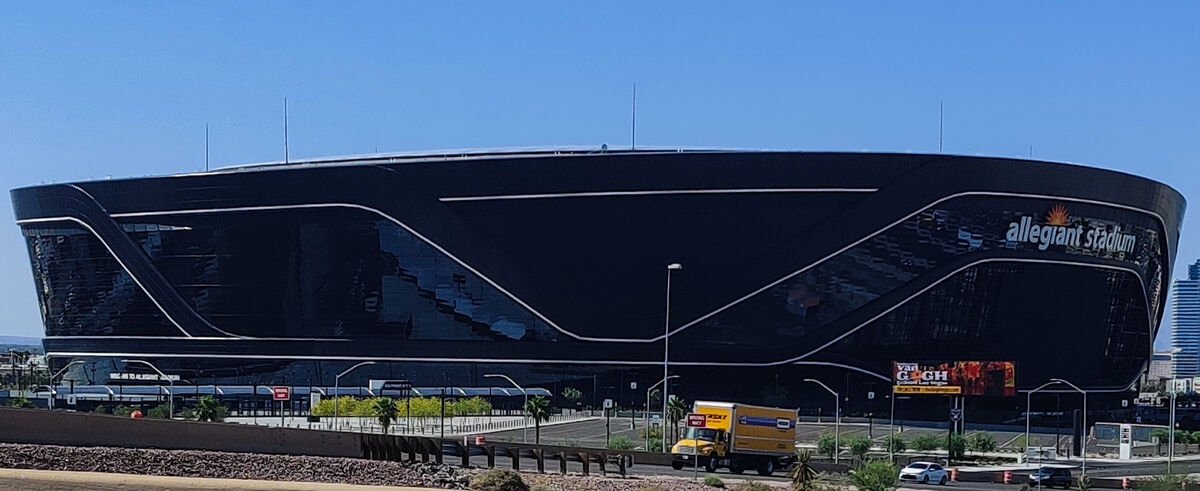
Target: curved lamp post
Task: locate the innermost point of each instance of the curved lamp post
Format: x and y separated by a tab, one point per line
524	408
1028	411
647	413
170	393
336	382
837	417
1084	431
54	393
667	348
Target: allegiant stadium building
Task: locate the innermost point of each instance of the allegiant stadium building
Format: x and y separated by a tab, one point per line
550	266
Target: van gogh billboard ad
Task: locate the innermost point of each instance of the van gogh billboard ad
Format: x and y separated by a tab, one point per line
968	378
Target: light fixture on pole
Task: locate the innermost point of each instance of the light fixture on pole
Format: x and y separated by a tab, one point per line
663	424
524	408
1084	430
171	383
1028	413
667	350
837	417
336	383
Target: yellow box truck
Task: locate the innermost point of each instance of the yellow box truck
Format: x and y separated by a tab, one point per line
738	437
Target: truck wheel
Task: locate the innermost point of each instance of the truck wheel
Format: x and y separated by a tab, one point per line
735	468
711	465
767	467
677	465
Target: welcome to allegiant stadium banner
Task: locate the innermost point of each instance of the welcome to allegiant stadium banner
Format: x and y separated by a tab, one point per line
968	378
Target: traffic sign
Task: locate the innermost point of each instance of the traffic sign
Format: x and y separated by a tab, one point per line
695	420
281	393
956	414
633	385
608	404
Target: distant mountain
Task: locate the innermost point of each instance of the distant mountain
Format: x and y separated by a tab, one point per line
20	341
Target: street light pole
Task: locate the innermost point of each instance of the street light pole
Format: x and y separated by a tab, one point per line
1028	401
647	413
336	383
837	418
171	383
667	349
524	408
1083	446
54	393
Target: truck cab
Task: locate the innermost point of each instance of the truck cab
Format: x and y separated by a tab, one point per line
709	444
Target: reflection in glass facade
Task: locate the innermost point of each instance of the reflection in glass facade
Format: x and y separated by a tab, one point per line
302	280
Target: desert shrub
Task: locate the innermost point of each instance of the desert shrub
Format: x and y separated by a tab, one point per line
1163	482
711	480
875	475
161	411
621	442
753	486
896	441
102	409
1084	482
123	410
20	402
498	480
926	442
827	445
981	441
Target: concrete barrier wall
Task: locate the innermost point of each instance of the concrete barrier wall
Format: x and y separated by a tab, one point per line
86	429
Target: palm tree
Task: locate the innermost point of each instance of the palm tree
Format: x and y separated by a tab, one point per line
676	410
385	410
538	408
208	409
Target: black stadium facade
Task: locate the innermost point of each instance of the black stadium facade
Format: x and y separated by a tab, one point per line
551	267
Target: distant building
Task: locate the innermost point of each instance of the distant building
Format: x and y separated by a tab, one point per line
1161	366
1185	323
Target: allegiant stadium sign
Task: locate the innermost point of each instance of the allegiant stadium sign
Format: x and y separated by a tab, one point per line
1057	231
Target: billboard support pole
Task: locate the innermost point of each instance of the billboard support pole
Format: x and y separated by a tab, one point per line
892	428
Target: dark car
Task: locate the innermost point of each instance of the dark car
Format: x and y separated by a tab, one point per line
1050	477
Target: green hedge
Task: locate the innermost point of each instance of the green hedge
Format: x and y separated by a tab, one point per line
422	407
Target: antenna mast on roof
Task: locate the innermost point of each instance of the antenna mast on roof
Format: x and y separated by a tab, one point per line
939	126
205	147
633	129
285	132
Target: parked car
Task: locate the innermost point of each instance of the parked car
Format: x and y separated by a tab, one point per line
1051	477
924	473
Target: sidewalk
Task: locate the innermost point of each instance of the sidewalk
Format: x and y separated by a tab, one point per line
21	479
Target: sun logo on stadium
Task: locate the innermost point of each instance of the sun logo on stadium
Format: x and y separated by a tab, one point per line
1057	215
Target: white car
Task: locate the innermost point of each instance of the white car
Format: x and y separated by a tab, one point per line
924	473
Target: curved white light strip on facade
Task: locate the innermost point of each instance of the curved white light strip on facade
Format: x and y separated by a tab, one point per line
659	192
541	316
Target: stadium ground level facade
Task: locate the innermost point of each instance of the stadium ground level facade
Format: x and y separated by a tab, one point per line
550	267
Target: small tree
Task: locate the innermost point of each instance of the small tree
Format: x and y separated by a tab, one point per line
958	446
981	442
538	408
874	475
859	446
208	409
926	442
676	410
384	409
895	443
827	445
802	473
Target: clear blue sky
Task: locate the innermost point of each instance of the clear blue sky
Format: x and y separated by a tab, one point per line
124	89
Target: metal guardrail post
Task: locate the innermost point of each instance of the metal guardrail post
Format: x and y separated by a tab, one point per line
491	456
516	459
540	456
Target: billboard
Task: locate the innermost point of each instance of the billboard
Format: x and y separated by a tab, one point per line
968	378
